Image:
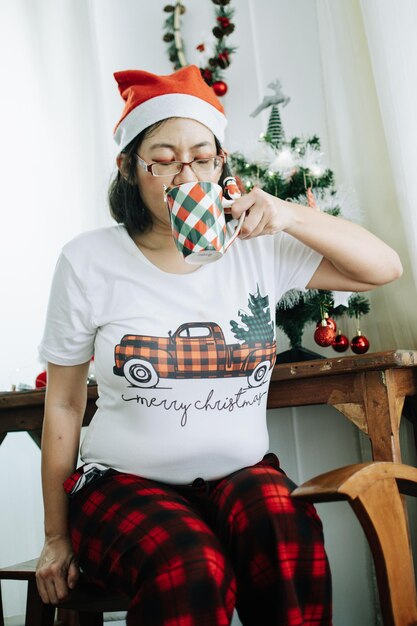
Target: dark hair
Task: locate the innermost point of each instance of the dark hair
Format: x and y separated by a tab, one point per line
126	204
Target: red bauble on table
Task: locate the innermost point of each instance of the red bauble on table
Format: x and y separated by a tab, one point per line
325	334
340	343
40	381
220	88
359	344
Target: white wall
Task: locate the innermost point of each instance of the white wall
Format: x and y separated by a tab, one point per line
275	39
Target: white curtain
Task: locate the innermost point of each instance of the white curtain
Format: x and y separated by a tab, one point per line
369	55
390	30
50	164
52	159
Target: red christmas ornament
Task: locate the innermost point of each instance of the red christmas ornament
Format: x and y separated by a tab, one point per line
220	88
40	381
223	21
324	334
223	60
359	344
340	343
207	75
329	321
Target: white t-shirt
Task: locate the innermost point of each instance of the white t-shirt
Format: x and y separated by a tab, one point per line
182	361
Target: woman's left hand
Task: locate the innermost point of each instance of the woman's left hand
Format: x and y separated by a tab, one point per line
265	214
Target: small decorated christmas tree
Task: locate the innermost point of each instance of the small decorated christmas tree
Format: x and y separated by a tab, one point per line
294	170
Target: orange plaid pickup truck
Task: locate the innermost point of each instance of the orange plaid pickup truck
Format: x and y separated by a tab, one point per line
195	350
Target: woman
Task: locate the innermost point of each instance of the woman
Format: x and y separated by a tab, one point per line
178	502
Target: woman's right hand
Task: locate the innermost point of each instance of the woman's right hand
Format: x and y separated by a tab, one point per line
57	571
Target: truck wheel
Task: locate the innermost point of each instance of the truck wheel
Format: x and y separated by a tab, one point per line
140	373
259	374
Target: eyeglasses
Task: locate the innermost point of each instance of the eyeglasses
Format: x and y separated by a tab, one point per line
200	167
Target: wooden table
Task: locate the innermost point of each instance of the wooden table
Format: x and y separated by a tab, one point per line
369	390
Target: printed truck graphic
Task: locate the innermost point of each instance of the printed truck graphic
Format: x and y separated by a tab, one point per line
195	350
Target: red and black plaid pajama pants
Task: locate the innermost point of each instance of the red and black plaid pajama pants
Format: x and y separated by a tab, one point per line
188	555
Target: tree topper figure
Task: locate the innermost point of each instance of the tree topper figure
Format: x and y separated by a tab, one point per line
278	98
275	131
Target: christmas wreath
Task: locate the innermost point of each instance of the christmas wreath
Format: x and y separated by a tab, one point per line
217	57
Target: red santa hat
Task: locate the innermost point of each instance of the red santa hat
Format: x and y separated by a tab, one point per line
150	98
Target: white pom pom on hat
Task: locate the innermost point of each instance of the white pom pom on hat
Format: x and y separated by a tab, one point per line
150	98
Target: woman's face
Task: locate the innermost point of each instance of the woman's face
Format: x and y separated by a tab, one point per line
177	139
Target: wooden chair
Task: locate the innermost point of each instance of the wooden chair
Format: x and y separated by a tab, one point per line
373	491
86	606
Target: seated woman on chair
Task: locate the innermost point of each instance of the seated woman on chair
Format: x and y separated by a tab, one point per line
178	502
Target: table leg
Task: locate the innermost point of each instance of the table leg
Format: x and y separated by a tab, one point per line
383	402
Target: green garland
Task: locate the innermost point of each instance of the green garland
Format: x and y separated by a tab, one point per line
212	72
